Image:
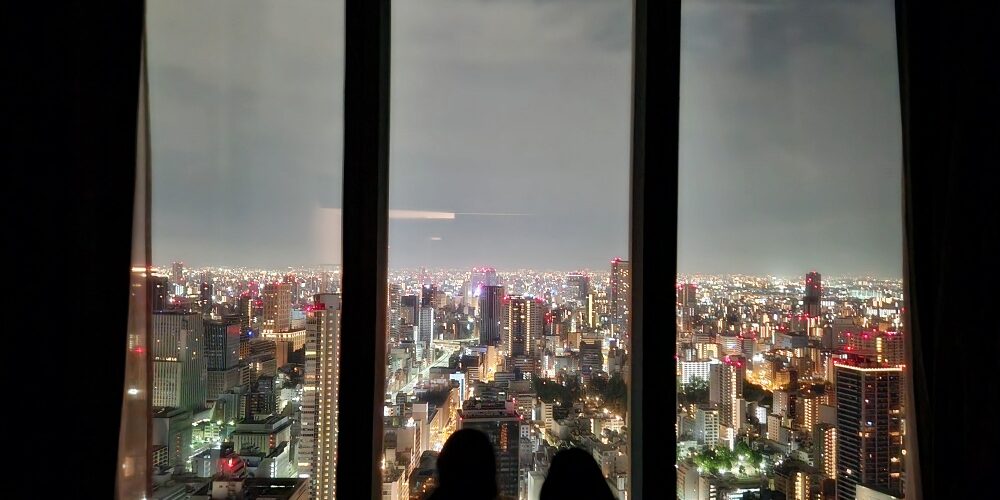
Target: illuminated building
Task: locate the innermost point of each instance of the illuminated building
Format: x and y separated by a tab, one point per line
177	274
317	451
158	292
687	301
425	333
869	427
825	449
277	307
620	297
222	343
502	425
490	315
706	426
814	290
578	288
591	358
522	324
875	346
180	375
393	310
731	383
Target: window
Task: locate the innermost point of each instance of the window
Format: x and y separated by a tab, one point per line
509	273
789	295
245	117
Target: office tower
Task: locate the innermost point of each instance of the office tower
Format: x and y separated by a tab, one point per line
179	368
620	296
500	422
522	324
490	314
731	390
577	288
814	289
874	346
158	292
687	300
293	283
481	277
869	427
277	307
591	358
222	344
425	333
317	452
394	303
205	291
177	274
410	309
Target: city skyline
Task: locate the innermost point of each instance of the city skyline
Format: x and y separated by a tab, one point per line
519	175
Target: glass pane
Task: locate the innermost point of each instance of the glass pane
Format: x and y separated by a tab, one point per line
789	293
246	103
509	198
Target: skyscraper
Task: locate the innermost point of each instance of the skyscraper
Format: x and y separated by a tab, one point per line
222	344
733	374
869	427
158	292
578	288
177	273
277	307
814	290
687	301
481	277
425	333
179	368
500	422
490	315
591	357
393	310
522	324
317	454
620	295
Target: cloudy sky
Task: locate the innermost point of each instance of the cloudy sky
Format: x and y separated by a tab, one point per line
510	134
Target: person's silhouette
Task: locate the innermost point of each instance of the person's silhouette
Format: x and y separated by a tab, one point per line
574	474
466	468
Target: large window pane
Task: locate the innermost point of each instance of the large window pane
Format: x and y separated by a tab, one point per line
789	294
509	273
246	103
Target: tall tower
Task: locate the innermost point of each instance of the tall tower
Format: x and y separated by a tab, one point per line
177	273
687	301
395	298
317	455
425	333
620	296
814	290
522	324
222	344
179	371
733	374
490	312
578	288
277	307
869	427
158	294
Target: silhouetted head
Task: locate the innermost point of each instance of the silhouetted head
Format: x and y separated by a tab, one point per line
466	468
575	474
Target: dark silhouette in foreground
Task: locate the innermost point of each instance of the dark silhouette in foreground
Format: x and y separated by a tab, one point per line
466	468
575	474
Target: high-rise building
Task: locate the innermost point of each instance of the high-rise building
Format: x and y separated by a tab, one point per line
814	291
317	451
620	296
523	320
425	333
222	344
158	288
874	346
825	449
687	301
731	381
177	273
393	322
490	315
869	427
277	307
409	312
591	358
578	288
481	277
179	369
501	423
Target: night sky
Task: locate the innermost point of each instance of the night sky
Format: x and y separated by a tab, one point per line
510	134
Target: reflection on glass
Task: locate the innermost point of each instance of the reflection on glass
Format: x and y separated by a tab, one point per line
789	293
245	110
509	278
